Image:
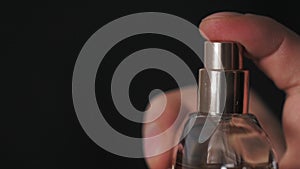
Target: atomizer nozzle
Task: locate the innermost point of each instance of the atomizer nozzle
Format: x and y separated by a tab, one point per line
223	55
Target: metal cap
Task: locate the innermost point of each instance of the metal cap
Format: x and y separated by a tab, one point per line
223	55
223	84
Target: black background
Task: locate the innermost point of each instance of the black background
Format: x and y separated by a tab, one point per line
40	45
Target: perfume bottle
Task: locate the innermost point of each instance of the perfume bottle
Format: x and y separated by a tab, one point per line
222	134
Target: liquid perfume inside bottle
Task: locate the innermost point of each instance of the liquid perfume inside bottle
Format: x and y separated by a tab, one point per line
222	134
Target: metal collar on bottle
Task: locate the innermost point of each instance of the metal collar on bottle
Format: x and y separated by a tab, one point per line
223	83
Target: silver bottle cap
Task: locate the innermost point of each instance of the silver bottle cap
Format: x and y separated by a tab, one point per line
223	84
223	55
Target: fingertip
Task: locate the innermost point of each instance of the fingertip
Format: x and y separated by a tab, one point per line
258	34
212	18
219	15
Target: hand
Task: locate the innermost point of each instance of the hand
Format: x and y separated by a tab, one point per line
276	51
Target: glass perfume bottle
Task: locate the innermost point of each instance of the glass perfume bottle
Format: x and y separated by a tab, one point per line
222	134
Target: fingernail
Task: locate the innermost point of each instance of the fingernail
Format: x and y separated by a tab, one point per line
221	15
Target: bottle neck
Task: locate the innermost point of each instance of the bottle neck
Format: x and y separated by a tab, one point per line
223	91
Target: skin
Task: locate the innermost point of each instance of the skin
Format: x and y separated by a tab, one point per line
276	51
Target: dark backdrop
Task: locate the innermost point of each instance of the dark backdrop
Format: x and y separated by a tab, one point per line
40	48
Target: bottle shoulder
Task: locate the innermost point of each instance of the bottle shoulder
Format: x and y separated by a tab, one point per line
225	116
233	122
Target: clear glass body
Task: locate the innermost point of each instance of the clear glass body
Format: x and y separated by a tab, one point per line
223	142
